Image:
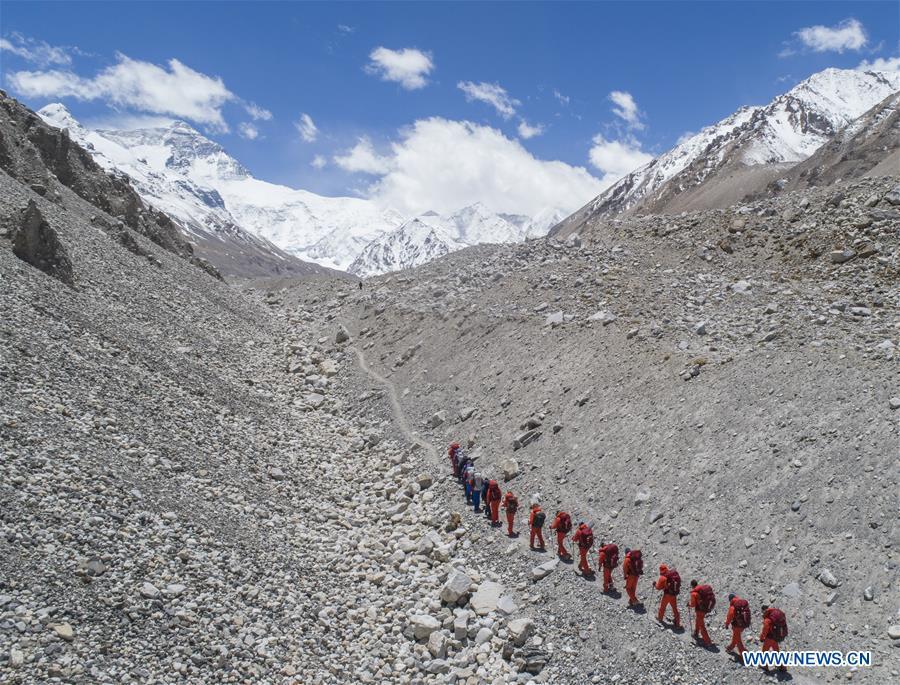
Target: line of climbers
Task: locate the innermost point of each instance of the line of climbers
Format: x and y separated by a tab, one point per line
702	599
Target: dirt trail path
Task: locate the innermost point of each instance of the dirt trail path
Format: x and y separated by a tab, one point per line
397	409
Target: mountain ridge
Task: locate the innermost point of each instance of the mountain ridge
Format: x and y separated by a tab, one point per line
747	149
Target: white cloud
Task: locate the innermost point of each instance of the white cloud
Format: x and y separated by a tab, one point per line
880	64
848	35
345	28
307	128
35	51
442	165
256	112
684	137
616	158
527	131
563	99
408	66
179	91
248	131
491	93
626	108
363	158
319	162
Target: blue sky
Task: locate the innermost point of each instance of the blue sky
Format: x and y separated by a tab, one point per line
675	67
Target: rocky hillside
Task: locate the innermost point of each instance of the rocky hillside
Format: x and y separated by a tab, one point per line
718	388
744	152
196	481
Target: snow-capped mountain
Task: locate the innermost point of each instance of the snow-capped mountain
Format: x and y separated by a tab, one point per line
183	173
742	148
430	235
186	175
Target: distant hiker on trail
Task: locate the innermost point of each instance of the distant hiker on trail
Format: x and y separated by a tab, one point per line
360	285
584	538
485	484
738	619
702	601
607	560
468	478
774	630
511	504
453	453
632	569
670	583
477	484
536	523
562	524
494	495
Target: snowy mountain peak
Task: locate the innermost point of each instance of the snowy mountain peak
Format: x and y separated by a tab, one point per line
786	131
57	115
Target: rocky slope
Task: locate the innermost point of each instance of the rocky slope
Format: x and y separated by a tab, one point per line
719	388
200	484
744	152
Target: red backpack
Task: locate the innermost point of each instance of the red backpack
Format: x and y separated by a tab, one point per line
706	598
565	522
779	629
494	491
512	503
637	562
610	555
742	615
673	582
586	539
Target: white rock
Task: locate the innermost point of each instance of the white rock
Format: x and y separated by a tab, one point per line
424	625
457	586
437	644
520	630
544	570
486	597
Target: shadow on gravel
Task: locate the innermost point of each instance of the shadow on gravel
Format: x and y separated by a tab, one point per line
638	609
566	560
590	578
714	649
615	594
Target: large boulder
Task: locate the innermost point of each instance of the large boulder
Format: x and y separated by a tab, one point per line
486	597
520	630
342	335
509	468
544	570
35	242
456	587
437	419
424	625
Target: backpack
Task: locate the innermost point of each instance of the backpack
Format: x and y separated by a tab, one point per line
779	629
512	504
637	562
706	598
587	538
539	518
673	582
742	616
494	491
611	555
565	522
